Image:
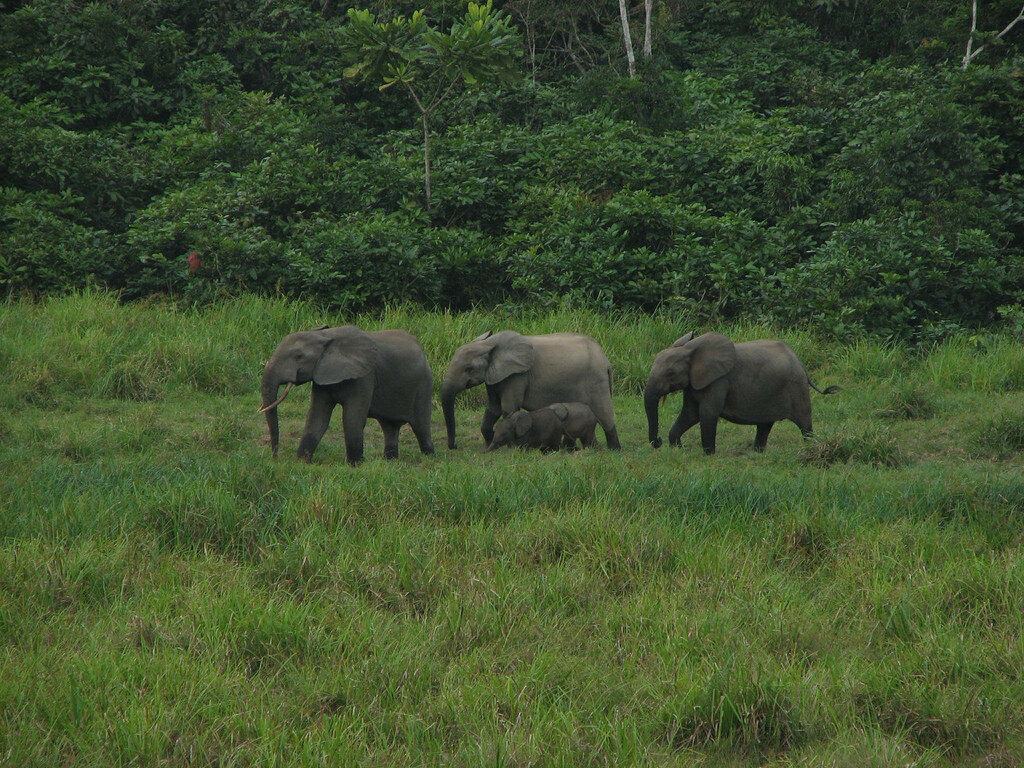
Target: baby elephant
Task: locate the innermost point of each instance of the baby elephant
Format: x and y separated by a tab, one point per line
547	428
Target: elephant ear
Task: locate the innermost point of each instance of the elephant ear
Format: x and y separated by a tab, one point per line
349	353
712	357
511	353
683	340
523	421
561	410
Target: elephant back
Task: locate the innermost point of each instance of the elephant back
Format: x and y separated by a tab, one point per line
570	367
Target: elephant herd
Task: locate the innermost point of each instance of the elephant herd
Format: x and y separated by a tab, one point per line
543	391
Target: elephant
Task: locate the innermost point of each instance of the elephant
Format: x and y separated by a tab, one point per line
547	428
529	429
381	375
530	372
578	423
755	382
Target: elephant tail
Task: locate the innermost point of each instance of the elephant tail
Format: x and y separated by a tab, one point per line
827	391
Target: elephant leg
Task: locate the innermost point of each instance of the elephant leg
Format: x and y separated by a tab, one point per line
487	425
708	427
761	438
390	429
606	418
804	422
568	443
422	432
551	443
686	419
321	406
354	413
589	437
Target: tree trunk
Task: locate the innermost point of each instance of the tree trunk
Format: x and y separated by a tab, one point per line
648	7
627	39
426	156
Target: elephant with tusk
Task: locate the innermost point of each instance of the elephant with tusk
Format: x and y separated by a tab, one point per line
381	375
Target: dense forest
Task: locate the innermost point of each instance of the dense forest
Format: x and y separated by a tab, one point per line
849	165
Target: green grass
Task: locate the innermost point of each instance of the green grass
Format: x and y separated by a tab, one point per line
169	595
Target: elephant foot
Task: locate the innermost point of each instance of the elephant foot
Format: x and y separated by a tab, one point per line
656	442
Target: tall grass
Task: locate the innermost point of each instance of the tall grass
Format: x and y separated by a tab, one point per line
170	595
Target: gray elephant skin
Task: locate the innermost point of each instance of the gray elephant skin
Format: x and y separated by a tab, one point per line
529	429
380	375
530	372
558	425
755	382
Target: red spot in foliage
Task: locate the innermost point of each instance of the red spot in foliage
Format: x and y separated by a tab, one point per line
194	262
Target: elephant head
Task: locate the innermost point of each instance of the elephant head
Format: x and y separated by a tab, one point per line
510	429
323	355
690	363
489	358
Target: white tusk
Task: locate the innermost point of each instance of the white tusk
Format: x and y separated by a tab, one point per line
277	402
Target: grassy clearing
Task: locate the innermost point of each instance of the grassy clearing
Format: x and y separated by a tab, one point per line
169	595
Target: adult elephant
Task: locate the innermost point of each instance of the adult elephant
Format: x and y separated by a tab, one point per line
755	382
381	375
530	372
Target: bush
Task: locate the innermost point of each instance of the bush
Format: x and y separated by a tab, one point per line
363	261
218	220
45	249
898	279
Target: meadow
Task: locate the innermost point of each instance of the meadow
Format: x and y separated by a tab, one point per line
170	595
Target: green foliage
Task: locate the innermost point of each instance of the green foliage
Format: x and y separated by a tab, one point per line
818	163
428	64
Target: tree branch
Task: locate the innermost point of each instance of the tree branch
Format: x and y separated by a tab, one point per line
969	57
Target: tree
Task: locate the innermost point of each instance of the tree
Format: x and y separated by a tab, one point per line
429	65
627	38
970	54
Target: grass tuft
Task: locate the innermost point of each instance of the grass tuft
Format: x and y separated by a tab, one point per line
873	445
736	710
1002	434
909	400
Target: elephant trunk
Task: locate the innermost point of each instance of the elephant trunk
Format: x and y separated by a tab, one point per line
651	396
269	387
448	393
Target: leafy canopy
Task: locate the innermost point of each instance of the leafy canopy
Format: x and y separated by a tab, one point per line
479	49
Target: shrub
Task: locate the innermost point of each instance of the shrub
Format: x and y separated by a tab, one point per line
363	261
45	249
